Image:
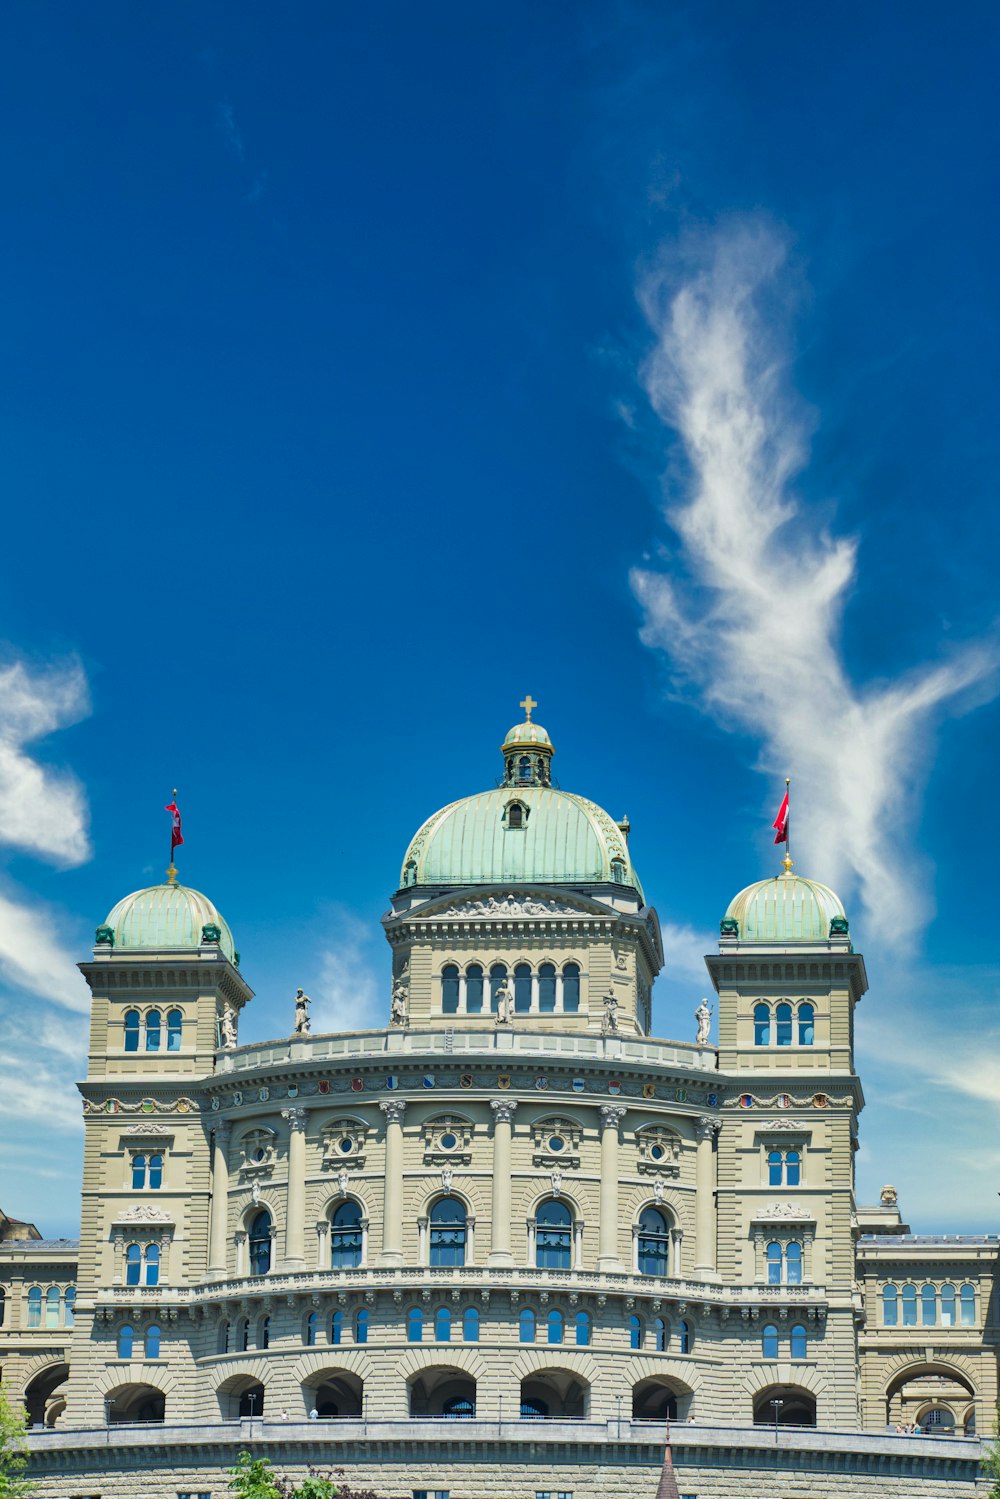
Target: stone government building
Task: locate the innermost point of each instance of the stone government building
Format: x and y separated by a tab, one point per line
491	1249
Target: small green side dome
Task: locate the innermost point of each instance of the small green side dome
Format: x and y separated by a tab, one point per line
786	908
530	734
166	916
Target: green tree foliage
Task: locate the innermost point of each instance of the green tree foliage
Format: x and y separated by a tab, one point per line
254	1478
13	1453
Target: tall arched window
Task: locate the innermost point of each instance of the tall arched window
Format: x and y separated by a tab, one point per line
783	1026
337	1329
793	1263
3	1304
449	989
69	1302
553	1236
774	1264
583	1329
470	1325
152	1264
928	1306
346	1236
761	1025
555	1326
526	1325
312	1329
806	1016
890	1306
515	815
684	1337
661	1334
361	1326
152	1341
448	1222
909	1306
654	1242
497	975
260	1243
35	1306
243	1335
175	1023
571	988
547	988
775	1168
947	1306
793	1168
152	1030
155	1172
769	1342
635	1331
53	1297
442	1325
799	1341
222	1340
131	1030
138	1172
524	768
474	989
967	1305
126	1335
522	988
133	1265
264	1333
414	1325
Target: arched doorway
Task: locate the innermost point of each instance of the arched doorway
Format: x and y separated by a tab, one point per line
241	1396
933	1396
554	1394
654	1400
42	1405
786	1405
333	1393
443	1392
131	1403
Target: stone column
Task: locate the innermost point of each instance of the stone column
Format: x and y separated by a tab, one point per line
295	1202
607	1256
503	1117
392	1209
704	1230
218	1236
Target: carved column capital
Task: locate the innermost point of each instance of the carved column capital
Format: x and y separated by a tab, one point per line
612	1115
707	1128
503	1109
393	1109
296	1118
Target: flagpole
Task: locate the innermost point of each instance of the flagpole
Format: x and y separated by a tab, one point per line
172	868
788	828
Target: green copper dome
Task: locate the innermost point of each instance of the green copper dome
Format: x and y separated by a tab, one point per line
166	916
786	908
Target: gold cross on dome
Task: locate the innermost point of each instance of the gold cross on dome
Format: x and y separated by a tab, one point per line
527	703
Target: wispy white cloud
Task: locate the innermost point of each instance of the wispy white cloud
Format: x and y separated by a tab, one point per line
42	811
32	957
748	608
353	989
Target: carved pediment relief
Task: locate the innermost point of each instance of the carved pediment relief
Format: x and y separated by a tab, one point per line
493	905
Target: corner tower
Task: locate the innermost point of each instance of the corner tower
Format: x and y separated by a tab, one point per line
520	905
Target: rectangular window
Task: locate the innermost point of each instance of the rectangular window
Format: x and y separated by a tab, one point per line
430	1494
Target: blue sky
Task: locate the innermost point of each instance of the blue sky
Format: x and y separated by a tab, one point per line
365	368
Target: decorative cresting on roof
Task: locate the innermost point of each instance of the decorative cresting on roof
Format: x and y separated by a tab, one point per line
523	832
787	908
168	916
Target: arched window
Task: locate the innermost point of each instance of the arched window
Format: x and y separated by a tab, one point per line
928	1306
583	1329
152	1030
243	1334
222	1341
775	1168
800	1342
769	1342
470	1325
522	988
414	1325
264	1333
635	1331
448	1232
618	871
497	975
3	1304
152	1264
890	1306
555	1326
684	1337
947	1306
152	1341
125	1339
35	1306
783	1027
442	1325
661	1334
361	1326
909	1306
449	989
474	989
526	1325
69	1302
967	1305
260	1243
131	1030
774	1264
654	1242
571	988
312	1329
345	1236
761	1025
793	1167
515	815
806	1015
133	1265
553	1236
138	1172
524	768
793	1264
337	1329
155	1172
175	1022
547	988
52	1300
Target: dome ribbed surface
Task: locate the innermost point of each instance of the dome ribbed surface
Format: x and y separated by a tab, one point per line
526	736
165	916
786	908
565	840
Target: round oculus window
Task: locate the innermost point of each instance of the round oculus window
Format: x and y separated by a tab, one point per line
258	1153
556	1142
449	1141
345	1145
657	1152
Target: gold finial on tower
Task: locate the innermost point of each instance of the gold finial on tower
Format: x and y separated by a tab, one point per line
527	703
